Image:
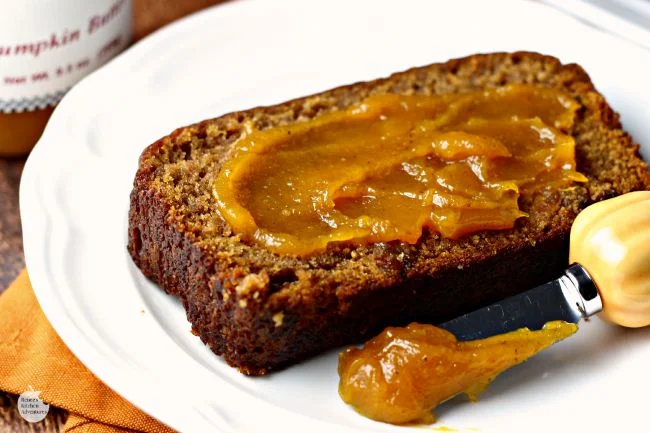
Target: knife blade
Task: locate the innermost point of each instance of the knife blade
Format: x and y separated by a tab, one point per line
571	298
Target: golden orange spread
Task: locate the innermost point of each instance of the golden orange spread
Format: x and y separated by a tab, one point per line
399	376
392	165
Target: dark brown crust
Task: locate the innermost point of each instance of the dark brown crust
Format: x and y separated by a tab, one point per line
262	311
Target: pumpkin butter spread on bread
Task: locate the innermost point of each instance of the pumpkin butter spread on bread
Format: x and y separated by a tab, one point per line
291	229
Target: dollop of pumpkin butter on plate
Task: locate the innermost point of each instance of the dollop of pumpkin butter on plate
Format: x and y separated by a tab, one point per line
391	166
402	374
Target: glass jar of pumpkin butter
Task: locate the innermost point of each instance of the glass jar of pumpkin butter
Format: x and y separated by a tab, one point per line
46	46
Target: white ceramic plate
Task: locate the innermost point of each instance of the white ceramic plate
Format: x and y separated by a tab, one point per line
75	189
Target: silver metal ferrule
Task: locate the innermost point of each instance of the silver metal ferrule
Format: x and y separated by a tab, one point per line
580	291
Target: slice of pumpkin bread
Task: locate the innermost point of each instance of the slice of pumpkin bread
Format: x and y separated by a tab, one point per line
263	311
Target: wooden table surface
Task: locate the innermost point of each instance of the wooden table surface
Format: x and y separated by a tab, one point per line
148	15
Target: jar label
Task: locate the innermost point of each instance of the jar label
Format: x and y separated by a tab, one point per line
47	46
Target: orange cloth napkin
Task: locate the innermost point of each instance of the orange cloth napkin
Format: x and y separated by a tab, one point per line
31	353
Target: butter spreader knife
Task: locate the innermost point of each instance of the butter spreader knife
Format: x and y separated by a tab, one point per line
610	252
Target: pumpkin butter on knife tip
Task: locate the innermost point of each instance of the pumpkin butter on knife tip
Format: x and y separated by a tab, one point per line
402	374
